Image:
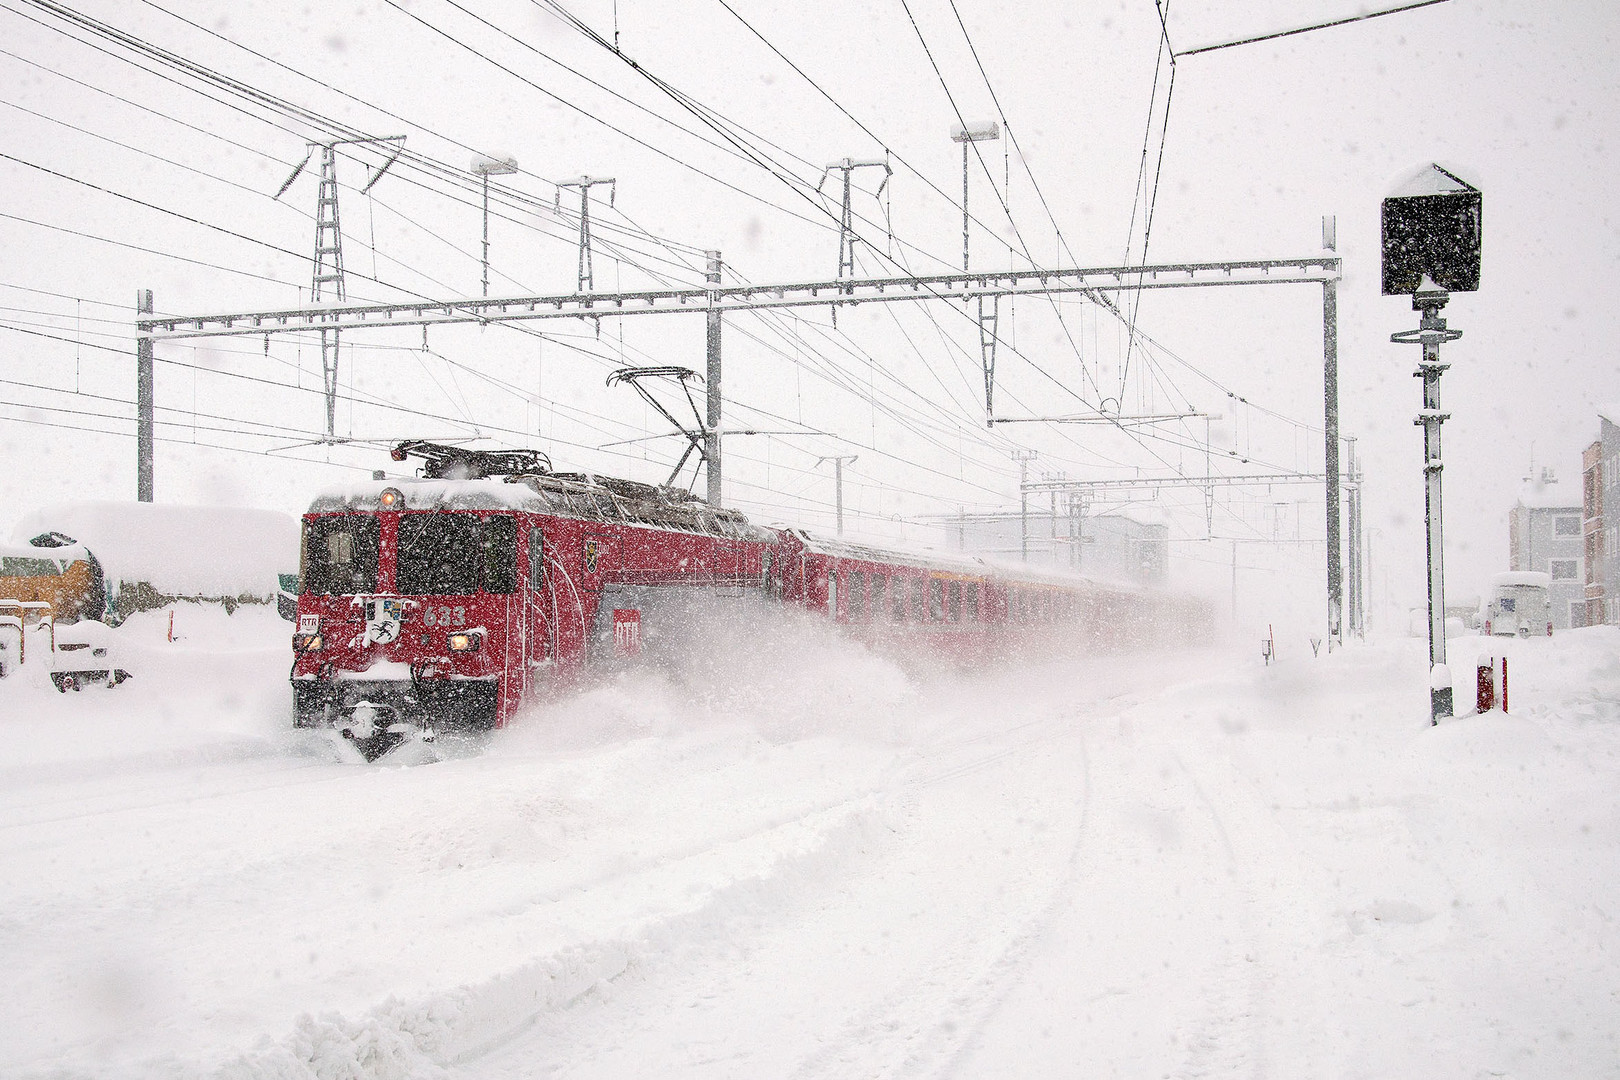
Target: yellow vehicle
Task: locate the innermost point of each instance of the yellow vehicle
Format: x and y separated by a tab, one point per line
65	576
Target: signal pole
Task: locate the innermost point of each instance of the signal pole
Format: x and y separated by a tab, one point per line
587	282
1430	333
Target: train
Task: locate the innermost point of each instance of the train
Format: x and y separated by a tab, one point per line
437	605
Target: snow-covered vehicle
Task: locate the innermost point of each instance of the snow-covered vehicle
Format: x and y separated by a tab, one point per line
1518	605
86	652
54	570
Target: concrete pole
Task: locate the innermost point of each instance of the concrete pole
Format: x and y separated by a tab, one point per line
486	232
1330	416
838	499
144	399
964	205
1054	530
1023	457
711	434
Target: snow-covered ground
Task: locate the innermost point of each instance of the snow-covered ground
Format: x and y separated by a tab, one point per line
806	862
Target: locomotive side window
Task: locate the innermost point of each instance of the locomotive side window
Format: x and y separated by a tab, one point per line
918	604
953	607
972	598
500	554
439	553
832	594
537	560
340	554
880	602
857	596
936	600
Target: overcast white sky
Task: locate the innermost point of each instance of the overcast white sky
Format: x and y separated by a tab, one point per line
1262	141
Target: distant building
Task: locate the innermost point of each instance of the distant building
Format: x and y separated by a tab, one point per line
1546	534
1600	468
1129	546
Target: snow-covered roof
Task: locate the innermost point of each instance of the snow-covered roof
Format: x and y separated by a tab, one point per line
1611	413
1544	493
62	555
1509	578
1432	179
183	550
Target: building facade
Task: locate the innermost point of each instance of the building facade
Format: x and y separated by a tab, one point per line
1546	533
1600	510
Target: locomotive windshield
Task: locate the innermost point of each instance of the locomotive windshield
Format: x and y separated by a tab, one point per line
452	554
340	554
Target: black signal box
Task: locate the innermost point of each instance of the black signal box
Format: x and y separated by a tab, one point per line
1432	227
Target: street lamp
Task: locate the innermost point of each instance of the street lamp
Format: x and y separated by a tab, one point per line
964	134
487	167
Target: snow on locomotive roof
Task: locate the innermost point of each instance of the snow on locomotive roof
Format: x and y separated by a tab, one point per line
428	495
575	495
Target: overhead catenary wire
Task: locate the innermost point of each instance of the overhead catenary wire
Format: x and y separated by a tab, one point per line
856	388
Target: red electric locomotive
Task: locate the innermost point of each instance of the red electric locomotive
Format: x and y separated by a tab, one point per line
437	605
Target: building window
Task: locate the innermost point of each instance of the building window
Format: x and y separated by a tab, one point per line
1564	569
1566	526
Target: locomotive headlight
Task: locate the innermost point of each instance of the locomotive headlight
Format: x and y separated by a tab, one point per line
306	643
465	642
391	499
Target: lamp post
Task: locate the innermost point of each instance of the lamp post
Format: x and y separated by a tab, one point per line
965	134
485	168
